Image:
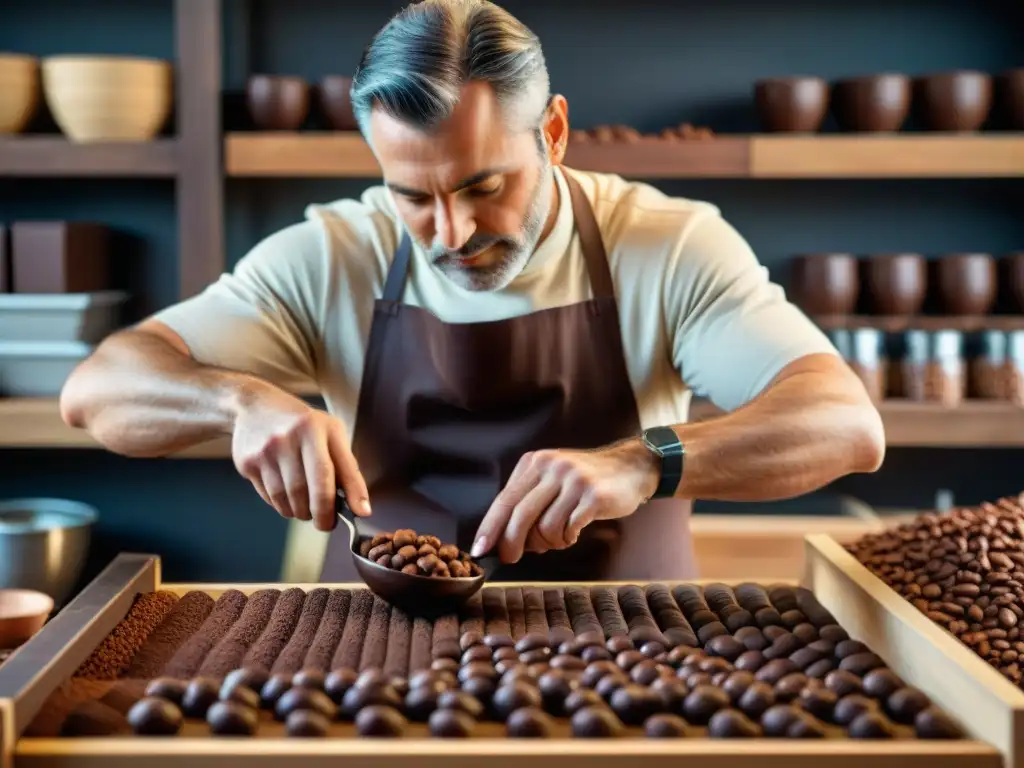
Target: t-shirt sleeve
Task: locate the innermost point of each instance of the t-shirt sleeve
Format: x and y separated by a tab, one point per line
733	330
263	317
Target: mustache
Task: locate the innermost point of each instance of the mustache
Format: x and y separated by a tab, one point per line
476	244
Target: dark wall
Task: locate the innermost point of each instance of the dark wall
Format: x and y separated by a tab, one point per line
647	64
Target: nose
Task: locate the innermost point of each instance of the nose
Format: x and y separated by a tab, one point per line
453	226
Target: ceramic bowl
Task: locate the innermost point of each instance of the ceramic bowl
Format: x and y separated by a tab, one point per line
1009	97
791	104
19	91
873	103
23	612
966	283
336	102
896	283
108	98
1011	281
953	101
277	102
825	283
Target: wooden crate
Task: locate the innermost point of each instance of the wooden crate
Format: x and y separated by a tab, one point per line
988	705
53	655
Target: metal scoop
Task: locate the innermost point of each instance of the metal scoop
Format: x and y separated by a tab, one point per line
413	594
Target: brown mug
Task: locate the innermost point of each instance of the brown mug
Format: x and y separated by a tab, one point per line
825	283
277	102
896	283
966	283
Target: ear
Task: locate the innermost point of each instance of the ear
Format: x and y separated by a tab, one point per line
556	128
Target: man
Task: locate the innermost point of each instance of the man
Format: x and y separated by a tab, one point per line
507	347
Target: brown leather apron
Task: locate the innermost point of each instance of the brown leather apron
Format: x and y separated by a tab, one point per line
446	411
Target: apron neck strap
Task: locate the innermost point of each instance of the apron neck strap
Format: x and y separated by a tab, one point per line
586	227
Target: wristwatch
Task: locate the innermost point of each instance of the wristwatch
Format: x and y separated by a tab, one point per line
664	443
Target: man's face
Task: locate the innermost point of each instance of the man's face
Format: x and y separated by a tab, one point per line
475	194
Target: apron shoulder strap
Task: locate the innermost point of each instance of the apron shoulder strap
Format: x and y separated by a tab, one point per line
590	240
396	272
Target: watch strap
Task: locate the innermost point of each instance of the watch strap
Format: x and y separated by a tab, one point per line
666	444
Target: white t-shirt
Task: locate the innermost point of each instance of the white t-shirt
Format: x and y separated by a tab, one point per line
697	310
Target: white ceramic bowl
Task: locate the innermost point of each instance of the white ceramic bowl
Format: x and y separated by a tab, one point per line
108	98
19	91
23	612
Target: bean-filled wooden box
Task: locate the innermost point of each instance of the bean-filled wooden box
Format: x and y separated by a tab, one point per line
138	672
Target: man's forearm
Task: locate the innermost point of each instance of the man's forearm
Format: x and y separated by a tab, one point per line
139	396
802	433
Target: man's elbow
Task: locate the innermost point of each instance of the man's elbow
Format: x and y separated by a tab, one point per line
74	397
867	436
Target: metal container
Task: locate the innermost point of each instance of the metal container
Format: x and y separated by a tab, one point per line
44	543
78	317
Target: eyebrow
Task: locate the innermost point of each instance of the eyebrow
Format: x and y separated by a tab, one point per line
469	181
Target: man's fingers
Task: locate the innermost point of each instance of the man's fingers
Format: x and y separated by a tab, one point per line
492	527
273	483
553	525
316	459
293	475
347	474
524	515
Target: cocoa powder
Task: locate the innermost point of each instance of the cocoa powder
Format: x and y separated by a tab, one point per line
229	652
495	612
472	616
62	702
118	649
559	627
419	652
278	630
533	607
375	642
291	657
582	616
178	626
350	647
444	643
516	611
399	642
328	635
190	656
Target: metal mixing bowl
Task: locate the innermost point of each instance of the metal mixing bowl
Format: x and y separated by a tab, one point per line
44	543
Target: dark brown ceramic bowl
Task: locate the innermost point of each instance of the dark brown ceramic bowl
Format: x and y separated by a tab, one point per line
873	103
791	104
825	283
1011	278
277	102
966	283
896	283
336	102
1010	98
953	101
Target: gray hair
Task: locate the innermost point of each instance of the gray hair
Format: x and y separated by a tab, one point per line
416	65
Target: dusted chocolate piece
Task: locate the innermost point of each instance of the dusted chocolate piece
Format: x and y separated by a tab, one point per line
882	683
337	683
300	638
635	703
932	723
703	702
377	721
669	617
871	725
324	645
154	716
849	708
606	605
350	647
514	696
582	616
273	689
269	645
665	726
496	620
596	723
160	645
304	698
559	627
375	641
580	698
230	718
529	723
642	626
451	724
732	724
306	723
905	704
229	652
167	688
533	608
462	701
199	696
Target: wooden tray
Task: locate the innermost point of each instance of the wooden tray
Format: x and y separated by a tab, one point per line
36	670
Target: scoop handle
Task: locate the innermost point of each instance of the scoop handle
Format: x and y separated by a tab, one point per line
347	516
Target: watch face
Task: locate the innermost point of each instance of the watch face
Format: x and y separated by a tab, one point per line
651	444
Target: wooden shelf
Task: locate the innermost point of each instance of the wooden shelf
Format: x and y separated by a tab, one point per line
966	324
36	423
336	155
29	155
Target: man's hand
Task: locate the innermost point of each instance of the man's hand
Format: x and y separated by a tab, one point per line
552	495
296	457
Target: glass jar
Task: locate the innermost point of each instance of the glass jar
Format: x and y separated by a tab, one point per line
933	367
868	360
1013	368
988	374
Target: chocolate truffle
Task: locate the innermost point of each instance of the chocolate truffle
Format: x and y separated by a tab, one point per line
595	723
231	718
517	695
451	724
905	704
805	633
520	672
155	716
681	653
645	673
168	688
820	702
371	678
493	641
751	661
665	726
757	699
570	663
849	708
862	663
529	723
469	639
476	653
199	696
775	670
580	698
589	638
445	665
635	703
789	687
932	723
671	691
629	659
480	688
846	648
502	654
461	701
871	725
833	633
307	724
357	698
535	656
806	726
531	642
309	678
653	649
609	684
420	702
241	694
273	689
753	639
843	683
619	643
477	669
703	702
595	671
378	721
777	720
882	683
726	646
594	653
737	683
554	687
304	698
337	683
732	724
253	678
